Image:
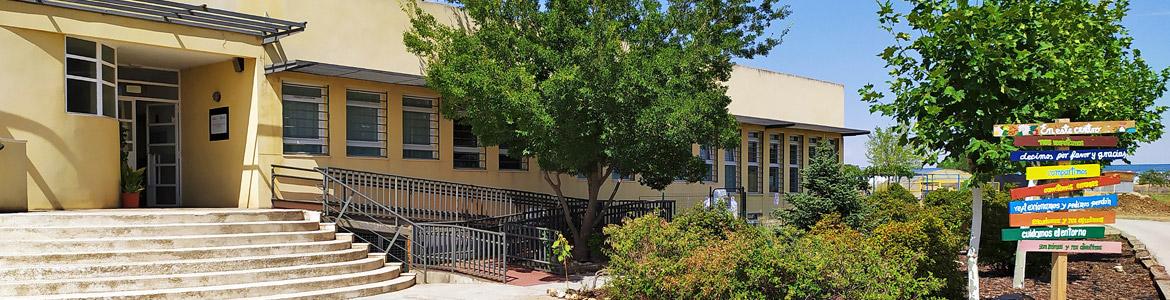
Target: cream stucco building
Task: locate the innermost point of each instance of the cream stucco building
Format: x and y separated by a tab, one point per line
210	99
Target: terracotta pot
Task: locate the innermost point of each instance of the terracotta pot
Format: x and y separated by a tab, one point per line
130	200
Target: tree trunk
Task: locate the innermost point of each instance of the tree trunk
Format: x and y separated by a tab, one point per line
581	249
973	246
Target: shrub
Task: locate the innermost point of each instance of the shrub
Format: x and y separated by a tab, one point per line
654	259
927	235
825	189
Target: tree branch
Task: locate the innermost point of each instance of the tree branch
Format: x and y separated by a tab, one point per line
576	233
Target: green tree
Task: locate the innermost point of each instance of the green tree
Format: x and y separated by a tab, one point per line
595	87
1154	178
890	155
826	188
960	68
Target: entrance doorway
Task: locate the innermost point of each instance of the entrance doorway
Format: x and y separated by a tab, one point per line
149	103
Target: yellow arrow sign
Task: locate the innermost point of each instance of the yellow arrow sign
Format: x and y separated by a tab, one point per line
1060	172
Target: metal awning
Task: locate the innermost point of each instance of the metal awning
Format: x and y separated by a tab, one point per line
268	29
772	123
326	69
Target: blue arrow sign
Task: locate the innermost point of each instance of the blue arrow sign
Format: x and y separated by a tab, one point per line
1067	155
1058	204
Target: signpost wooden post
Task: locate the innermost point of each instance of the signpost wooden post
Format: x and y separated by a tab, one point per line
1044	223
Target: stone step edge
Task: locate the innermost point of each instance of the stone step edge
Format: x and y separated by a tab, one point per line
155	225
366	260
406	279
356	247
340	237
266	284
324	229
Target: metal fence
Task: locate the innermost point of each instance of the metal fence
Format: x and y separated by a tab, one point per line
462	249
438	201
472	229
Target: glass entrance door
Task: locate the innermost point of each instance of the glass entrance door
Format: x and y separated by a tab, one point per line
149	107
162	165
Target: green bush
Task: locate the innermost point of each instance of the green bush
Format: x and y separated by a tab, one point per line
654	259
826	188
927	235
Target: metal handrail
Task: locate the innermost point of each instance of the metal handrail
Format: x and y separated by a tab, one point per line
346	205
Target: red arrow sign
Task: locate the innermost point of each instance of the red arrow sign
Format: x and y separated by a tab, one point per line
1065	141
1064	186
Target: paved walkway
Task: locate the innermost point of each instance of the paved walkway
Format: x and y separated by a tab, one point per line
1155	234
479	291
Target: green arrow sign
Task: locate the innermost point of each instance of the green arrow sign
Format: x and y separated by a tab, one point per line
1056	233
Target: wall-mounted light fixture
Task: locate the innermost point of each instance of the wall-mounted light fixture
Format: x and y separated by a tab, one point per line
238	62
215	96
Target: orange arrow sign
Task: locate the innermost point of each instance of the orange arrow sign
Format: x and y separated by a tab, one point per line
1064	218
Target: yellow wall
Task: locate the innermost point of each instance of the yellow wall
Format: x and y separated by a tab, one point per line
271	150
72	158
221	173
13	174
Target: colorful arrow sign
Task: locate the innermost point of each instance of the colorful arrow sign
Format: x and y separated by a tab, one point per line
1058	204
1065	141
1105	127
1069	155
1063	186
1061	172
1053	233
1064	218
1069	246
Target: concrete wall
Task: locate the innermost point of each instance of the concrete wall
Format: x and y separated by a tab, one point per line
773	95
13	176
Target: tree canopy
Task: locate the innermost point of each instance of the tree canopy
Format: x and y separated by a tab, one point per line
594	87
958	69
890	155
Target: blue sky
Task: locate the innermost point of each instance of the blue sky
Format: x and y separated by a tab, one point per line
838	41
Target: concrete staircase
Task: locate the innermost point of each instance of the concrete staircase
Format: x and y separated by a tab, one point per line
187	254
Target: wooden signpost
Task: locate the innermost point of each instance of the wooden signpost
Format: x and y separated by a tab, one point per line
1065	141
1065	218
1068	155
1062	172
1070	246
1063	186
1045	223
1053	233
1065	128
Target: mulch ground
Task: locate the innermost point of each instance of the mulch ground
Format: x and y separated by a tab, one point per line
1091	276
1133	204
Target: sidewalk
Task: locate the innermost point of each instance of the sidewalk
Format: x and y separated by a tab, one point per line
478	291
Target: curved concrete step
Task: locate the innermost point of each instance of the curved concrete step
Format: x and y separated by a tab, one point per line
244	290
174	229
341	242
171	281
359	251
98	217
403	281
162	242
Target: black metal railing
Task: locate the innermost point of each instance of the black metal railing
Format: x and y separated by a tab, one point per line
463	228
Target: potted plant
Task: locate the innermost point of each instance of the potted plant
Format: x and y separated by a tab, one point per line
131	186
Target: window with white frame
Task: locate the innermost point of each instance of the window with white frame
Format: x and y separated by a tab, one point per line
617	174
420	128
775	173
731	168
306	119
508	162
754	156
708	154
365	123
90	78
795	162
468	153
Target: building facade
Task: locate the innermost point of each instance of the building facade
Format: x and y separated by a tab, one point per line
209	97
